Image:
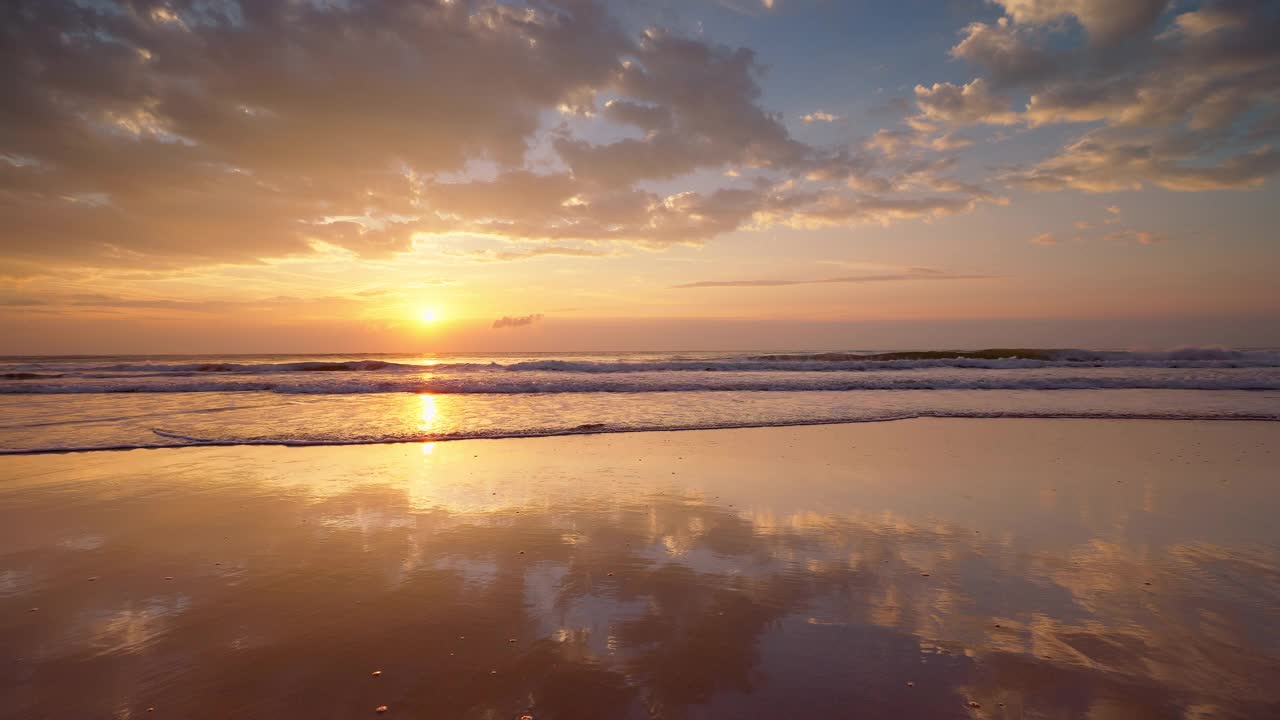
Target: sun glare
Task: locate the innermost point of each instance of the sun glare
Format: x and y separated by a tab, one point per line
428	315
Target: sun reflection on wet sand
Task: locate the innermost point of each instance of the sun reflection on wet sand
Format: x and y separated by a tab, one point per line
721	574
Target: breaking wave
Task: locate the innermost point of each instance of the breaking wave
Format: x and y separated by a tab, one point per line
819	362
1187	368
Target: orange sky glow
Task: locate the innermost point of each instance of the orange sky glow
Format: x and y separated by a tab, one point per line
587	175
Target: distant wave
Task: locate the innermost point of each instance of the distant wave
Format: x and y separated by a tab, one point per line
177	439
29	373
27	376
832	361
995	369
1187	379
1258	358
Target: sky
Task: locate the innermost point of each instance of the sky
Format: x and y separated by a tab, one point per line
214	176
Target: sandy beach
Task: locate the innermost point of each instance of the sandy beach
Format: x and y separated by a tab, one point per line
923	568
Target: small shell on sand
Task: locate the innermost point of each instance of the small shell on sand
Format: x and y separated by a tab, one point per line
380	709
376	673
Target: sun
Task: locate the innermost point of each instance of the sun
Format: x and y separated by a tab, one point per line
428	315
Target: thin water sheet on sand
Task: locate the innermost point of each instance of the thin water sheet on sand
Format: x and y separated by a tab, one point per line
927	568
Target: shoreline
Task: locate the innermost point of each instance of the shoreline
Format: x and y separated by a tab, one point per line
576	432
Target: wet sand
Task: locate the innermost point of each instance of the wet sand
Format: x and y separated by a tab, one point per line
925	568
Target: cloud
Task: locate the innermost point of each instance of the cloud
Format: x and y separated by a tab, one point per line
489	255
646	117
508	321
101	302
562	207
963	104
1199	95
1109	161
1210	69
1110	229
748	7
1008	54
201	136
1210	19
895	142
1134	236
18	301
1106	21
228	138
215	133
907	275
710	93
838	210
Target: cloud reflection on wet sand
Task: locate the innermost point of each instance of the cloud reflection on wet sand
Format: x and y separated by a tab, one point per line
764	573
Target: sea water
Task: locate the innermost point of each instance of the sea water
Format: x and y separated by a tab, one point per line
50	404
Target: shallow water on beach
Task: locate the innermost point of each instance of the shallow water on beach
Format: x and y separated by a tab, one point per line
930	568
68	403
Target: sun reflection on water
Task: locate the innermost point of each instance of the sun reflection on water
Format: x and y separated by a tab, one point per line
429	413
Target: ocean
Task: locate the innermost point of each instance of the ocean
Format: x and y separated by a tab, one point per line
58	404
